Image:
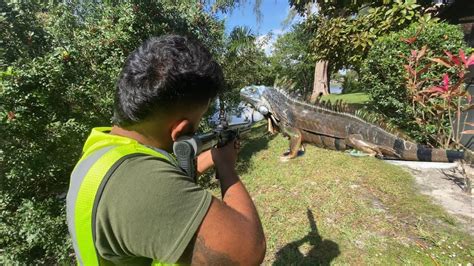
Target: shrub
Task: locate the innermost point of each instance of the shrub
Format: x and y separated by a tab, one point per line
384	75
56	83
351	82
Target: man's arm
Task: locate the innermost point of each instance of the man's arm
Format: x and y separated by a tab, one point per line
231	232
204	162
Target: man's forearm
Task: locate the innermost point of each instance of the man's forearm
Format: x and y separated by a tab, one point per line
239	199
204	162
236	196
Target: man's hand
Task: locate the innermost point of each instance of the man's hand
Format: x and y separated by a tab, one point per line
224	157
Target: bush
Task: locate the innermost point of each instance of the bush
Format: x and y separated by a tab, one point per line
351	83
291	62
56	83
383	72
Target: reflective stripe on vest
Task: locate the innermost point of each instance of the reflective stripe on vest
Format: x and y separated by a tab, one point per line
103	153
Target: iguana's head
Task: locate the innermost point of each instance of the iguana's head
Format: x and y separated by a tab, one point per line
255	95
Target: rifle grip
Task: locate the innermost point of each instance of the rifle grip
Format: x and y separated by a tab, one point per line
225	137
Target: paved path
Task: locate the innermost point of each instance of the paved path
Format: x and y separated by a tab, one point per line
444	183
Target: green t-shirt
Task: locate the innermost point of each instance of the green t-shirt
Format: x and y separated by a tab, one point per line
149	210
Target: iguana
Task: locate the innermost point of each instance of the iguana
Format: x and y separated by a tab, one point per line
336	130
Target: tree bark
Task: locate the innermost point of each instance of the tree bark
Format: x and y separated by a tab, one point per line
321	81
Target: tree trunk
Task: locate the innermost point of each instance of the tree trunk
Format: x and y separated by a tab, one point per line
321	81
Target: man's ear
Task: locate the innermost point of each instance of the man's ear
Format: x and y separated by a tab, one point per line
180	128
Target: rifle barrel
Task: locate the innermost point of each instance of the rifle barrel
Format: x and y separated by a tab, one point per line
208	140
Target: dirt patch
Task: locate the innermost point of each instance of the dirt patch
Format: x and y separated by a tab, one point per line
445	184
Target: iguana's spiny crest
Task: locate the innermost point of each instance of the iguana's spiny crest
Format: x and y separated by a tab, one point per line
257	97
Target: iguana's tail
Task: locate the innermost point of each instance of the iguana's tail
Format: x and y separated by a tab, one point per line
414	152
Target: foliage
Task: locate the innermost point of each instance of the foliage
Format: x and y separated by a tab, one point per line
385	77
23	38
244	63
291	60
332	7
345	41
344	8
41	225
57	82
351	82
438	102
227	6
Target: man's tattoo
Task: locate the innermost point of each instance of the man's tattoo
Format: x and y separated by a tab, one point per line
203	255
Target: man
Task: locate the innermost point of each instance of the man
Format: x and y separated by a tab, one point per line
129	203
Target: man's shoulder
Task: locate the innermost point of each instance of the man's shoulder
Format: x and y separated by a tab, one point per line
138	165
142	172
146	159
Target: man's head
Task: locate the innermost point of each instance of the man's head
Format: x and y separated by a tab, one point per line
167	82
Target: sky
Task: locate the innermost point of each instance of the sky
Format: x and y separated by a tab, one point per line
274	13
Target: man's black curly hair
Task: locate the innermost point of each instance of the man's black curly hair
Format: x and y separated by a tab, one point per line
163	74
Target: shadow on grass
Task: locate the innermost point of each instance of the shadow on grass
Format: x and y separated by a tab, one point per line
322	251
258	141
356	106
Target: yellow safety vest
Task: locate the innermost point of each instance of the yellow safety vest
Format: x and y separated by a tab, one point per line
102	153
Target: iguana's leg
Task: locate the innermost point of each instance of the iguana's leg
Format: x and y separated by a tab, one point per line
295	142
357	142
271	129
301	151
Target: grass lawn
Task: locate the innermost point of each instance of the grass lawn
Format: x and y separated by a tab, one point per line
359	98
328	207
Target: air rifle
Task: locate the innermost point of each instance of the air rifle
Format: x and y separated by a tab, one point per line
187	148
